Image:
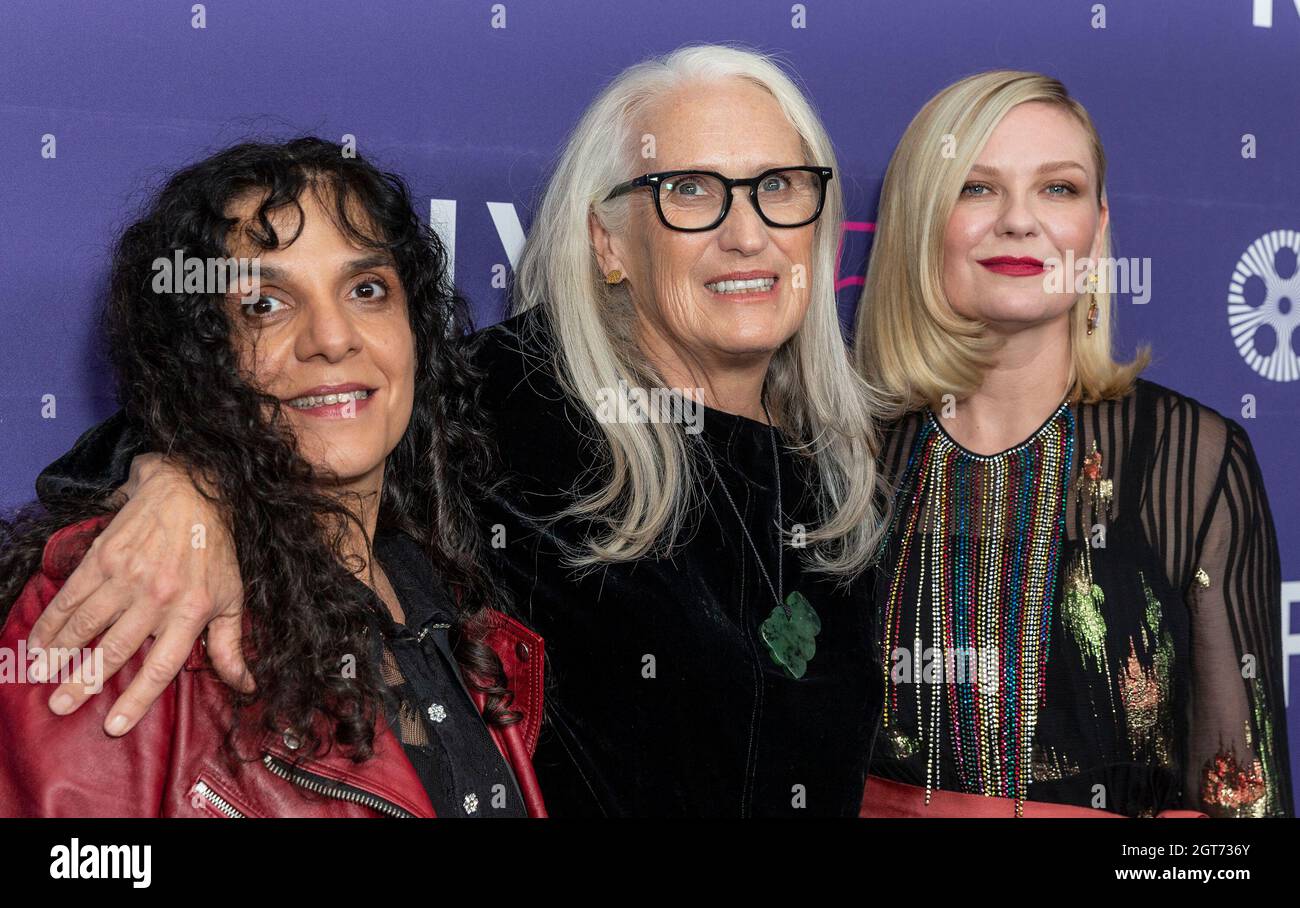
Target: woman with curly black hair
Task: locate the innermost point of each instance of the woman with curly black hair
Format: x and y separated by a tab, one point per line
328	412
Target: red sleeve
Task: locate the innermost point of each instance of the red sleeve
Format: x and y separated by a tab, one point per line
66	766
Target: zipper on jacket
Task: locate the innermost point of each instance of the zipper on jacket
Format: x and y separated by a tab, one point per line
332	789
222	806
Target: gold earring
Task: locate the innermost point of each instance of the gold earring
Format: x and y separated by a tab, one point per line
1093	312
614	277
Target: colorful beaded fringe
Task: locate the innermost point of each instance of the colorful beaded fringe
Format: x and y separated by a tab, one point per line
986	533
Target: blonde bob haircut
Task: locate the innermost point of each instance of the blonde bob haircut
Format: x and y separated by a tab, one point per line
909	341
824	407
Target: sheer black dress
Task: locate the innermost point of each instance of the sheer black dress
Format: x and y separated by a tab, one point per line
1161	680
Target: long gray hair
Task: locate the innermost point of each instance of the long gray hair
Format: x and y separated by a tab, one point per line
822	404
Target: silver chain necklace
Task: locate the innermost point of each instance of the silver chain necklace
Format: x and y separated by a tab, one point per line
790	631
778	591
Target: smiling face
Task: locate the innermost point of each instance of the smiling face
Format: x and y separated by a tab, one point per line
1030	197
676	279
329	335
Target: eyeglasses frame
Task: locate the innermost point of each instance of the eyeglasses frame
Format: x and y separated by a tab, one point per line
652	181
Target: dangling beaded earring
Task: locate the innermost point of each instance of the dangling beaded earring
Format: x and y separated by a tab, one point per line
1093	311
616	277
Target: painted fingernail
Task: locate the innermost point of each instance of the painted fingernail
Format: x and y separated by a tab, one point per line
116	725
61	704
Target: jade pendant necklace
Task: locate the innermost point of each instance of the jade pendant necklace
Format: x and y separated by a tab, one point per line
790	629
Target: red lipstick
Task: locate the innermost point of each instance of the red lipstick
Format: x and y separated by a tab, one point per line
1012	266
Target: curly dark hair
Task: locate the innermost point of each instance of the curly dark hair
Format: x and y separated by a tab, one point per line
180	383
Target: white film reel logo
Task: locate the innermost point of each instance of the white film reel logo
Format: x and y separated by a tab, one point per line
1280	309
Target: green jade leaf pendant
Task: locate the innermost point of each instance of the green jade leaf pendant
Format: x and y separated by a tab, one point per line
791	638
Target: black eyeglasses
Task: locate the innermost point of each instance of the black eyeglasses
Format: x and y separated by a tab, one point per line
695	200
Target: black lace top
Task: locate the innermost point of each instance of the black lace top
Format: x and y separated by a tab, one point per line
426	702
1158	681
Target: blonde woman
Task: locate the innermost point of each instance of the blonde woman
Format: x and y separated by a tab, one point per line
688	461
1079	599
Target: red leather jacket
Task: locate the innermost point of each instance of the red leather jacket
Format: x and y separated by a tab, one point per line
171	764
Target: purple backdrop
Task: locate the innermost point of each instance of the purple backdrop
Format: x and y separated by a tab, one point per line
473	113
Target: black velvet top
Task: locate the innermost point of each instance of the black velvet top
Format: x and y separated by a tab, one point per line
662	698
665	700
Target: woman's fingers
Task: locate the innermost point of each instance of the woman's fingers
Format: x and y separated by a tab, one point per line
75	636
125	566
165	660
120	564
96	666
85	580
225	649
164	567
